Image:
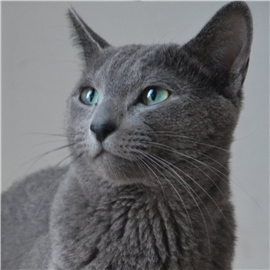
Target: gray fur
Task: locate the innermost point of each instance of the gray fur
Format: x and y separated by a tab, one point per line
155	193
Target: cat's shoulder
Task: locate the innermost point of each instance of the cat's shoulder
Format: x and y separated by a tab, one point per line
25	212
31	197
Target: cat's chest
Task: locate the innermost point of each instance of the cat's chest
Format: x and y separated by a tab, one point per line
113	228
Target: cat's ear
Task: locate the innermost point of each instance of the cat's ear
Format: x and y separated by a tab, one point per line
89	41
225	41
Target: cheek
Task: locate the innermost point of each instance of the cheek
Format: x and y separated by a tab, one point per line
192	116
223	114
164	119
180	121
78	130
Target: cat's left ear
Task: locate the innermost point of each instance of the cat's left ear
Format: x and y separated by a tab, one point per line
224	43
90	42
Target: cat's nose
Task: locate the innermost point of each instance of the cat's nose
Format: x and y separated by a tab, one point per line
103	130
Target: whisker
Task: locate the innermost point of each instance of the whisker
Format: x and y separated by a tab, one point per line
222	194
148	156
175	134
166	147
188	189
79	156
200	170
63	160
169	166
141	166
37	158
213	169
46	134
43	143
145	164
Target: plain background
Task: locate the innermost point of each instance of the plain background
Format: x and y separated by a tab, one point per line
40	68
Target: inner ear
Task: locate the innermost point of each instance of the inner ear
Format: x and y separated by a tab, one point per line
230	44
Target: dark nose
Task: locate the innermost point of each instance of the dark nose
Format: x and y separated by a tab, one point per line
103	130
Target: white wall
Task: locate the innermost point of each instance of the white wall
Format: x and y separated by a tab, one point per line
40	68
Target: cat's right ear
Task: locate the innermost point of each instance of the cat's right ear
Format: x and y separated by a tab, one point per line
84	37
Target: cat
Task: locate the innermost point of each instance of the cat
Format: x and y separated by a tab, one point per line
149	128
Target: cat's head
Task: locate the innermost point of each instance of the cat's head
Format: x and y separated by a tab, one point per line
139	109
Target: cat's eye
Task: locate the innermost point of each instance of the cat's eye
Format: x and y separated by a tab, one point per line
89	96
154	95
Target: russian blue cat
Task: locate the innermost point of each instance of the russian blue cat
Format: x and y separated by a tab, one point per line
149	129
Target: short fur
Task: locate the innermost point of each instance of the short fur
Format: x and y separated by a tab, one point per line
154	193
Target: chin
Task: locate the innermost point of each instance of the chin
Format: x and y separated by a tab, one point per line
118	170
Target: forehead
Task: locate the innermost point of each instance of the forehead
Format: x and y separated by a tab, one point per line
128	68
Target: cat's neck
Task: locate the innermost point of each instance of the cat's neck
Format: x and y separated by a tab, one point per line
167	216
205	178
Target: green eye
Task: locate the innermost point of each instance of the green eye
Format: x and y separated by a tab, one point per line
154	95
89	96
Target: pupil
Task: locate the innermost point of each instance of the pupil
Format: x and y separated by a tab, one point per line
91	95
153	94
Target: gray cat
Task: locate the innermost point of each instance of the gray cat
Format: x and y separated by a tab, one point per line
149	129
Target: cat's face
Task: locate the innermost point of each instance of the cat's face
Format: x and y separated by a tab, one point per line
121	78
139	109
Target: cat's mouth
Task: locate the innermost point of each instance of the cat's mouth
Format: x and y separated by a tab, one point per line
100	153
103	154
